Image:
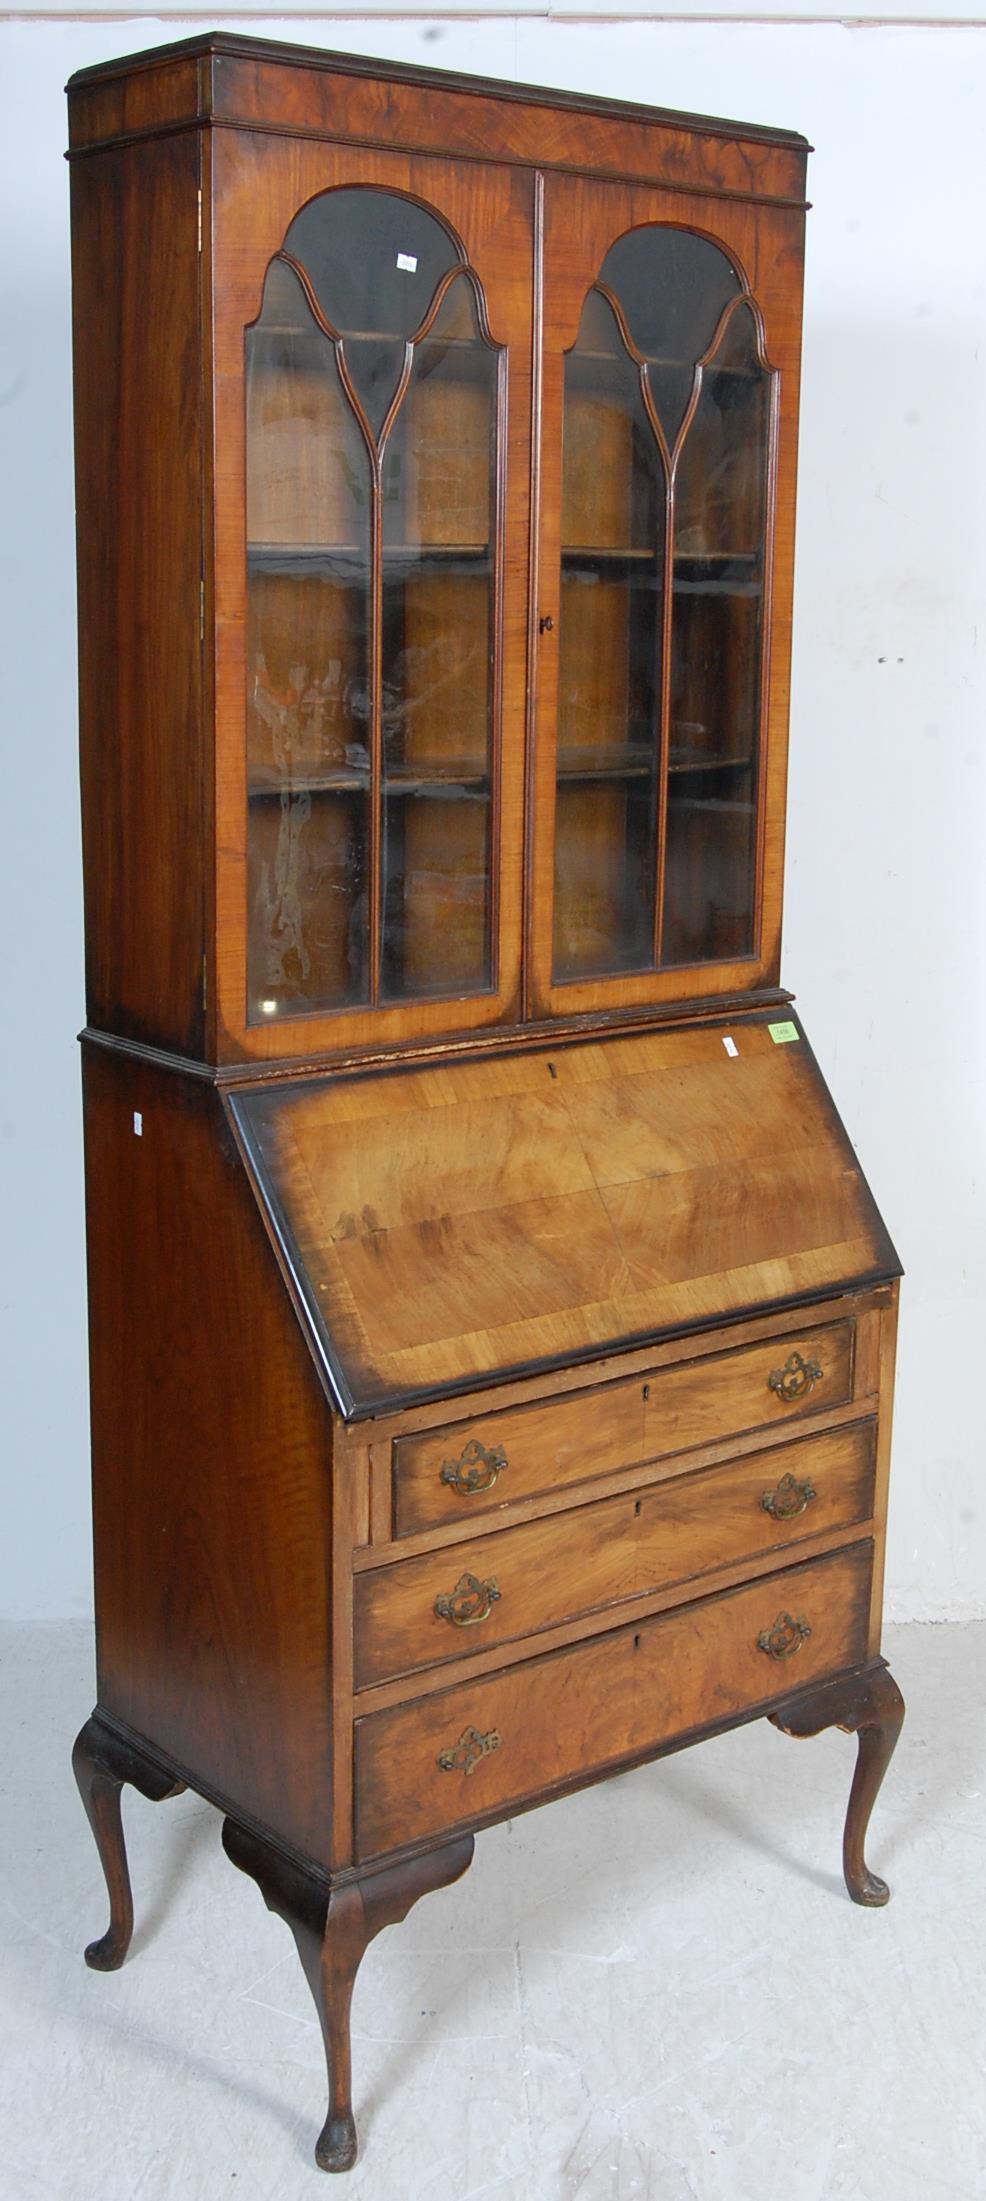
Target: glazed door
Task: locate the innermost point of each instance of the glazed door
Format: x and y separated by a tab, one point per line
670	375
373	361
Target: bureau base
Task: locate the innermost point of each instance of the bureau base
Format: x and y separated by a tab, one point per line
335	1917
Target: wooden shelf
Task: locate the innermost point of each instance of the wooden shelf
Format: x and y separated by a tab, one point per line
416	779
634	761
441	554
710	564
576	358
281	329
303	554
708	805
711	583
346	779
687	765
586	552
401	779
353	558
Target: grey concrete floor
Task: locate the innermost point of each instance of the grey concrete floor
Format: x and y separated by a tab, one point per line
655	1991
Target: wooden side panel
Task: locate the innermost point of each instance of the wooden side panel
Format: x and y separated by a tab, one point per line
888	1366
139	529
212	1453
554	1721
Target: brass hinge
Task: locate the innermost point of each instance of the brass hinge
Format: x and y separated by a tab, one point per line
205	983
200	217
202	608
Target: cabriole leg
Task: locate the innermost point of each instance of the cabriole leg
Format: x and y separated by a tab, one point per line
869	1706
332	1928
102	1763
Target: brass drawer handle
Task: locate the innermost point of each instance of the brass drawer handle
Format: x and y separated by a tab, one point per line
785	1637
476	1469
795	1378
789	1499
469	1602
468	1751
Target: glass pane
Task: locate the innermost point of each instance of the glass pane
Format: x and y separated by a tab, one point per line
308	617
665	377
717	628
609	667
439	478
374	262
372	465
673	288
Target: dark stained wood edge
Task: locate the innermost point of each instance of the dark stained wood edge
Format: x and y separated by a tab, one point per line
889	1256
239	45
316	1336
457	1046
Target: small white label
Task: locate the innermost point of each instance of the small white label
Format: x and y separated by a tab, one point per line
408	261
730	1045
138	1125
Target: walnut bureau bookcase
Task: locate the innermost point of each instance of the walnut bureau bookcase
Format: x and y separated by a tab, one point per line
492	1334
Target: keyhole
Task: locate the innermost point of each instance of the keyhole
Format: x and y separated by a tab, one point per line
636	1642
636	1509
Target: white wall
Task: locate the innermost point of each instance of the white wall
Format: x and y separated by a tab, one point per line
886	895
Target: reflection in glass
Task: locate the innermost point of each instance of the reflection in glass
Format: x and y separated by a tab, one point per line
372	409
374	262
438	512
666	425
717	630
609	658
308	594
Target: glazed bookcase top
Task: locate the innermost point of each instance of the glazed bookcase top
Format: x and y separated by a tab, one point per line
434	586
453	1226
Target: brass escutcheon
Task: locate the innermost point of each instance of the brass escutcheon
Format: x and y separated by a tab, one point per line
785	1637
789	1499
466	1754
469	1602
795	1378
476	1469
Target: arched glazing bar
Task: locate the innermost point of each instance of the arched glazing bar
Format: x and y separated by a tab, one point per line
374	392
666	459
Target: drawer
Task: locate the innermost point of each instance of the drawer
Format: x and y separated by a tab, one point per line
484	1747
451	1473
518	1580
